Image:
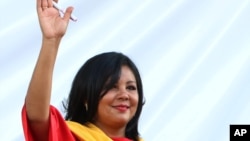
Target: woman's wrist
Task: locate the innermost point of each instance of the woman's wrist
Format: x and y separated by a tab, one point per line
51	42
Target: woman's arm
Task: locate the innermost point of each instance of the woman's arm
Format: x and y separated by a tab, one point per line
37	102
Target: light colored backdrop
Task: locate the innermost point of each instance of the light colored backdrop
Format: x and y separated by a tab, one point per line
193	55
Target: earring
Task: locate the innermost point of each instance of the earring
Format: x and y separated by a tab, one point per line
86	106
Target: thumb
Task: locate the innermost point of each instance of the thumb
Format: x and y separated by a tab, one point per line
68	12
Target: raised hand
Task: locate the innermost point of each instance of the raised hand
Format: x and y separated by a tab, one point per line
53	26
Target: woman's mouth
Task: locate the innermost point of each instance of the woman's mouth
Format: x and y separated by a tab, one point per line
121	108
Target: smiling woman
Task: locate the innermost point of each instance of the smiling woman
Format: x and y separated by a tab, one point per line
105	101
107	91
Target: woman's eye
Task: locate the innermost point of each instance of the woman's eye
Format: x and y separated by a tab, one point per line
131	87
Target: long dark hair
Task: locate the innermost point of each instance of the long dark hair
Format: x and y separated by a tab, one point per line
99	74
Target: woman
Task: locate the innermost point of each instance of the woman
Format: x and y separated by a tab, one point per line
105	100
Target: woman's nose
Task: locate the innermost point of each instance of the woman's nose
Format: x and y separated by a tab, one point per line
123	95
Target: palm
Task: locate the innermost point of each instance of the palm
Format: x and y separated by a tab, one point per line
51	23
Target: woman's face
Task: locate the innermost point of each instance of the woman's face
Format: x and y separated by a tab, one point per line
119	104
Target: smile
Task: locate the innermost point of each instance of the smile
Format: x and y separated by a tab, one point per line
121	108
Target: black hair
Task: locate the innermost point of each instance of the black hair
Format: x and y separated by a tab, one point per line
98	75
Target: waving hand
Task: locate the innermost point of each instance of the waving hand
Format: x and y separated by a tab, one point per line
51	23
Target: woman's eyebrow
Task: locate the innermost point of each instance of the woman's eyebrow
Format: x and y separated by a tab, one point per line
130	81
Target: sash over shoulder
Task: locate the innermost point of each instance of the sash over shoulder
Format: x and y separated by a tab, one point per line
87	133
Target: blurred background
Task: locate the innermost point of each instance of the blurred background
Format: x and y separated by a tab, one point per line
193	56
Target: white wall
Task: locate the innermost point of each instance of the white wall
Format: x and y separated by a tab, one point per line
193	55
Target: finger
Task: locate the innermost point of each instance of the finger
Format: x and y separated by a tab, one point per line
39	4
54	1
68	13
44	4
50	4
